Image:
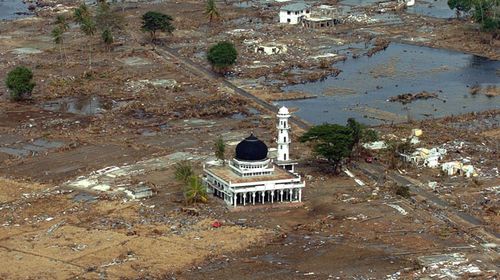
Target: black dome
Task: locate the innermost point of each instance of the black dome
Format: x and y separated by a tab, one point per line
251	148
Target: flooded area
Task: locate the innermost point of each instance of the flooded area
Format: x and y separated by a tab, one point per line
28	148
437	9
85	106
366	83
12	9
359	2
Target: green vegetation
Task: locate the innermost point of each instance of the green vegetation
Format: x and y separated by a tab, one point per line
57	36
460	6
107	37
369	135
153	22
211	11
222	56
337	142
83	17
195	191
394	148
20	83
403	191
485	12
107	22
331	141
81	13
183	171
356	131
360	133
58	33
220	150
104	21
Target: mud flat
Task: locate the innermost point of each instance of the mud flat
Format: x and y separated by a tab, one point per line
400	69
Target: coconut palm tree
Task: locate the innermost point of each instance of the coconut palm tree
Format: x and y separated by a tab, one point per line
88	28
58	33
57	36
62	22
220	149
81	13
195	191
107	38
211	11
183	171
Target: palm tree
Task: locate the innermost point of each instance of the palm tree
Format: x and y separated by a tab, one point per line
62	22
57	36
58	32
88	27
107	38
195	191
183	171
220	150
211	11
81	13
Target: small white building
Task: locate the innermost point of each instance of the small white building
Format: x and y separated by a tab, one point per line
458	168
251	177
271	48
410	3
426	157
292	13
377	145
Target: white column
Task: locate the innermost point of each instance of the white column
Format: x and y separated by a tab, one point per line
300	195
272	197
281	194
263	196
283	140
235	199
253	196
244	199
291	196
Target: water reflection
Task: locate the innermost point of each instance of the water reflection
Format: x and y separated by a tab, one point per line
12	9
400	69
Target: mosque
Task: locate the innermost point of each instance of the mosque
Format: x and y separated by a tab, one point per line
252	177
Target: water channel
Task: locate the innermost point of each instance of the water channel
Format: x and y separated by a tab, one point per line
12	9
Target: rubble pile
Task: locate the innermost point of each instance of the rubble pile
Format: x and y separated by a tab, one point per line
409	97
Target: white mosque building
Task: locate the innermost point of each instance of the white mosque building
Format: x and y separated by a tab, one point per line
251	177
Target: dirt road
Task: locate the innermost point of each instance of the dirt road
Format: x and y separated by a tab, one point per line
202	72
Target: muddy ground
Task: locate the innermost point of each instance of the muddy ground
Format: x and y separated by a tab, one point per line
132	104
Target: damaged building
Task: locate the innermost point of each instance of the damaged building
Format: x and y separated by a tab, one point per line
271	48
323	16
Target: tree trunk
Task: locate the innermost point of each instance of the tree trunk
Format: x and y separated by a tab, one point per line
64	53
61	53
90	56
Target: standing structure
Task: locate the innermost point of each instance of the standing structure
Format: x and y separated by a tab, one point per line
283	141
292	13
251	177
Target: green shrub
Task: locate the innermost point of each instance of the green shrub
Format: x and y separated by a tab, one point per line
19	82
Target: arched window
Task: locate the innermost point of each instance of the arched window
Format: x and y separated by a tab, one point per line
284	156
284	139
